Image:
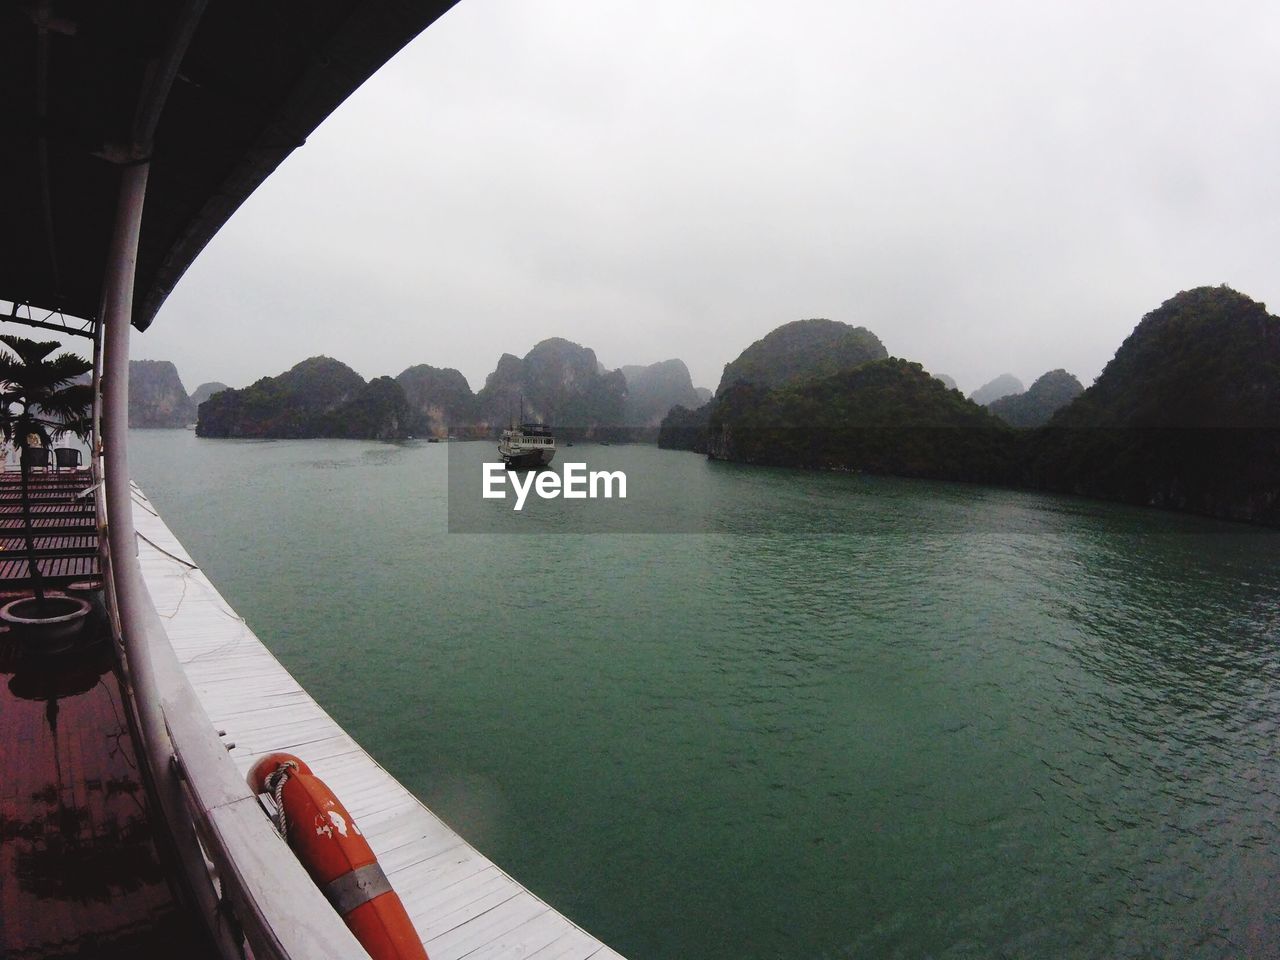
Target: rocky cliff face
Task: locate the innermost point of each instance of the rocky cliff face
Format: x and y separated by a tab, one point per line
1049	394
157	397
377	411
561	384
319	397
440	401
802	350
653	390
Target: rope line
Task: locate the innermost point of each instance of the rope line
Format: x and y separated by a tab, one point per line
172	556
275	783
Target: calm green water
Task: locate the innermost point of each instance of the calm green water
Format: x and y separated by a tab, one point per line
1047	731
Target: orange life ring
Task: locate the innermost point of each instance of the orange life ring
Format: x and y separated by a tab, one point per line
329	844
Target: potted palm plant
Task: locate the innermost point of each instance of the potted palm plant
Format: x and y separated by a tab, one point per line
39	402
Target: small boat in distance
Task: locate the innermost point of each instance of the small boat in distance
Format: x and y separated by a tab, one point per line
527	446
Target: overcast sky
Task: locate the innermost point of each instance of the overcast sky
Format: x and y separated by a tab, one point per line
988	186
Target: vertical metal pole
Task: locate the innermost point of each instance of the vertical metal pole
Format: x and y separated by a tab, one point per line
95	435
135	614
97	472
117	312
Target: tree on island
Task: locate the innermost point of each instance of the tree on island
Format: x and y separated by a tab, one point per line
39	401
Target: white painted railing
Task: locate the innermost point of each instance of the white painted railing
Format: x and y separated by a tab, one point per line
243	880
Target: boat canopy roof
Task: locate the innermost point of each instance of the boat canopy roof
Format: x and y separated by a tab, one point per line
214	95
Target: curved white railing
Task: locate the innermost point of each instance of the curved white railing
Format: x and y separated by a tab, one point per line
244	882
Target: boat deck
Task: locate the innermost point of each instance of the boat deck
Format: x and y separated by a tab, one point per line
461	903
62	511
80	870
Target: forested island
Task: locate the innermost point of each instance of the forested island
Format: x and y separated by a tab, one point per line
1185	416
557	382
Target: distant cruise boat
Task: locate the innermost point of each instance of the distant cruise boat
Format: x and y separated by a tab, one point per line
527	447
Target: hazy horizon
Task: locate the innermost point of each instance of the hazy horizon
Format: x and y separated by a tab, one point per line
476	384
1004	189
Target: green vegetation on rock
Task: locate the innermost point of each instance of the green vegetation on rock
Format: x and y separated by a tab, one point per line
889	416
319	397
795	352
685	429
1049	394
802	350
378	411
560	383
1186	416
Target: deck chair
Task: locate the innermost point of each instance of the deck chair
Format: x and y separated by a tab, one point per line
36	457
66	458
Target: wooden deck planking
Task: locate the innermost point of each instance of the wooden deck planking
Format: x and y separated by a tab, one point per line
59	542
462	904
65	538
489	926
532	935
467	895
480	890
574	945
411	845
81	524
61	508
453	863
52	568
81	872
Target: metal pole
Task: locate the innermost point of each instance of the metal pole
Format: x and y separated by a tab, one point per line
132	601
116	315
288	917
287	914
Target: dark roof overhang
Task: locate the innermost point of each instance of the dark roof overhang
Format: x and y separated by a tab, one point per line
252	81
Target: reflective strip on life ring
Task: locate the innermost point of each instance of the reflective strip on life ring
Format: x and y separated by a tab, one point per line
356	888
329	844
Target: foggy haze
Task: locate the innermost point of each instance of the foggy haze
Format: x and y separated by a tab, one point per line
989	188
